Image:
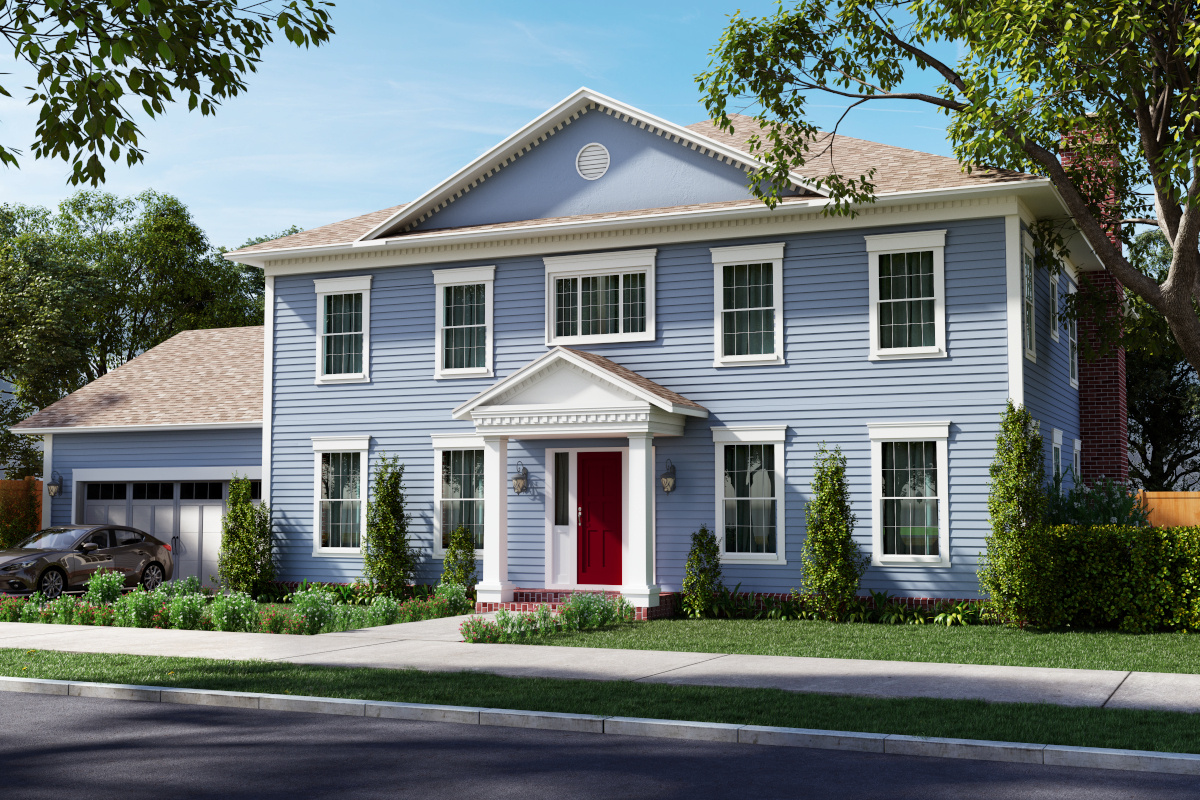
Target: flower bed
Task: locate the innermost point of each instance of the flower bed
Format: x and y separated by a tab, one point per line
581	611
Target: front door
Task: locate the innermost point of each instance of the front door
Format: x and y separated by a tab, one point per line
599	518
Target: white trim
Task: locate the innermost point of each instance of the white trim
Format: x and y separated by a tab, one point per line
465	276
1055	300
747	254
268	383
1056	442
774	435
340	444
356	285
1028	282
754	434
916	431
915	241
456	441
1012	284
596	264
198	426
1077	461
441	443
47	472
1072	344
164	474
607	155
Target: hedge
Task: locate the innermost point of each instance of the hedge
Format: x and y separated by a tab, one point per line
1133	579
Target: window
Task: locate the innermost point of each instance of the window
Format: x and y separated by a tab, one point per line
340	509
127	537
1077	463
1073	348
748	327
1055	316
207	490
910	518
461	497
1028	319
601	297
1056	461
256	490
750	468
154	491
464	322
343	329
106	491
562	488
906	292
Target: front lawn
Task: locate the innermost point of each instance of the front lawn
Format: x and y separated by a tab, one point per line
976	644
965	719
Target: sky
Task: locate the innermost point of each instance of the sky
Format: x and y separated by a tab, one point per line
404	95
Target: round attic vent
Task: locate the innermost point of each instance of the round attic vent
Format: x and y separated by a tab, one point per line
592	161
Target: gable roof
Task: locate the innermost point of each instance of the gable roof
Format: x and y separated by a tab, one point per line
196	379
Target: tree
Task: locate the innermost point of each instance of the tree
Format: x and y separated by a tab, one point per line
1119	80
833	564
255	278
246	561
389	559
95	58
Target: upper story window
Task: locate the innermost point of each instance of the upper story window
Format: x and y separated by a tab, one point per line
600	297
1056	454
750	499
1073	346
464	322
907	295
909	499
340	508
343	329
1055	316
1028	300
748	300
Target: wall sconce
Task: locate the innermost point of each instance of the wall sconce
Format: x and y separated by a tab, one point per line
521	479
54	487
668	478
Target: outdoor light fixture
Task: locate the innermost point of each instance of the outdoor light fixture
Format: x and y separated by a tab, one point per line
668	478
55	484
521	479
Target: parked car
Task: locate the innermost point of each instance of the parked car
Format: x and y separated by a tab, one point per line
64	558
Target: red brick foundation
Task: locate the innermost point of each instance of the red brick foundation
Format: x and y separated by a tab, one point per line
1103	408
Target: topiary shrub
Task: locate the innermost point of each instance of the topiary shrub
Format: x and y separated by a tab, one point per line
833	562
246	561
702	574
1016	504
389	559
458	564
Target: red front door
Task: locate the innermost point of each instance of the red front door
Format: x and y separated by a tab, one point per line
599	518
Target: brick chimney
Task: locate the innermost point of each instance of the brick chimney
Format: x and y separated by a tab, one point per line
1103	407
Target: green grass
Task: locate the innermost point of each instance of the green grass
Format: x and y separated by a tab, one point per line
966	719
979	644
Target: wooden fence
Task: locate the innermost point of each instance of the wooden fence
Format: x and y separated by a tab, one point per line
1173	508
20	509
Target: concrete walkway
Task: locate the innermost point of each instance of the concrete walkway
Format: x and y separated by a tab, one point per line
434	645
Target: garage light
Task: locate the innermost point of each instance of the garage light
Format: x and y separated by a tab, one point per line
54	487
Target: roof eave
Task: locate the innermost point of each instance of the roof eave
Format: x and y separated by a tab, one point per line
194	426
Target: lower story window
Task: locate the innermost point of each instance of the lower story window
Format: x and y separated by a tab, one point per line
750	498
461	495
910	498
341	499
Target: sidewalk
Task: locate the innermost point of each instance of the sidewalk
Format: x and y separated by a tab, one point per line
434	645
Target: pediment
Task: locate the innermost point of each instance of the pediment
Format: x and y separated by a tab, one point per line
565	385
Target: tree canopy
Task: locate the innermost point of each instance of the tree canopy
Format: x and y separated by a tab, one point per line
95	60
1119	79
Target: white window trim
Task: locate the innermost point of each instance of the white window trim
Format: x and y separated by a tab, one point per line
747	254
592	264
1028	262
752	434
937	432
467	276
442	442
1055	299
1077	461
1072	344
915	242
1056	443
340	444
356	285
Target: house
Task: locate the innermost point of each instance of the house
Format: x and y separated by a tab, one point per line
592	340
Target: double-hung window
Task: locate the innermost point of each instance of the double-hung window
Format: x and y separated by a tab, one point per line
1073	348
464	322
458	493
909	507
1077	463
1055	315
340	508
600	297
750	496
748	300
907	295
343	329
1056	457
1028	300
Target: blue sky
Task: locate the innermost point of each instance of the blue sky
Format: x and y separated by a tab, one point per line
407	93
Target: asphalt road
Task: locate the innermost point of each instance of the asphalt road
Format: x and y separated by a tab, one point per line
63	747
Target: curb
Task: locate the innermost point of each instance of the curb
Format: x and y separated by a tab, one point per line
1017	752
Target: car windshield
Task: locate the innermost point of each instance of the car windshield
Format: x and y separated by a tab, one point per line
52	539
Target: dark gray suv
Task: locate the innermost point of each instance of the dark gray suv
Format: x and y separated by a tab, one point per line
63	559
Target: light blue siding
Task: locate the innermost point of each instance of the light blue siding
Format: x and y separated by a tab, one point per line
645	171
144	450
827	391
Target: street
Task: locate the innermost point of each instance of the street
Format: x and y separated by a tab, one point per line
55	747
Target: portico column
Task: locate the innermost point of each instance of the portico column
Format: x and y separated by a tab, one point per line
495	588
637	583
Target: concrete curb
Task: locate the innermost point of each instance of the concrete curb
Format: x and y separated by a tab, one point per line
1051	755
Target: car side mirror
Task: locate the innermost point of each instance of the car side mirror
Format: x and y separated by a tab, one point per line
89	547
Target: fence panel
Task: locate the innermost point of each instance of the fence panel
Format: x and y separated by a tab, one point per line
20	510
1173	508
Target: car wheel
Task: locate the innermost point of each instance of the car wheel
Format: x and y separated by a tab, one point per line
152	577
51	584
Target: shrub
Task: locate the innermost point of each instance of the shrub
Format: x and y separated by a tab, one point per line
1016	503
234	612
10	608
88	614
31	611
314	609
702	573
456	596
591	610
418	609
277	619
20	512
246	562
104	587
478	630
385	610
1105	502
62	610
833	563
185	610
389	559
515	627
136	609
458	564
184	586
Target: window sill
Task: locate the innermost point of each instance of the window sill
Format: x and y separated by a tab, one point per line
334	552
1031	357
326	380
746	558
910	561
604	338
452	374
1075	384
749	361
900	354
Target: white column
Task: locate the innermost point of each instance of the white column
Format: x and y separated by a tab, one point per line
638	584
495	587
47	471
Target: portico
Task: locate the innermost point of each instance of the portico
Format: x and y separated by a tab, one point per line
571	394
